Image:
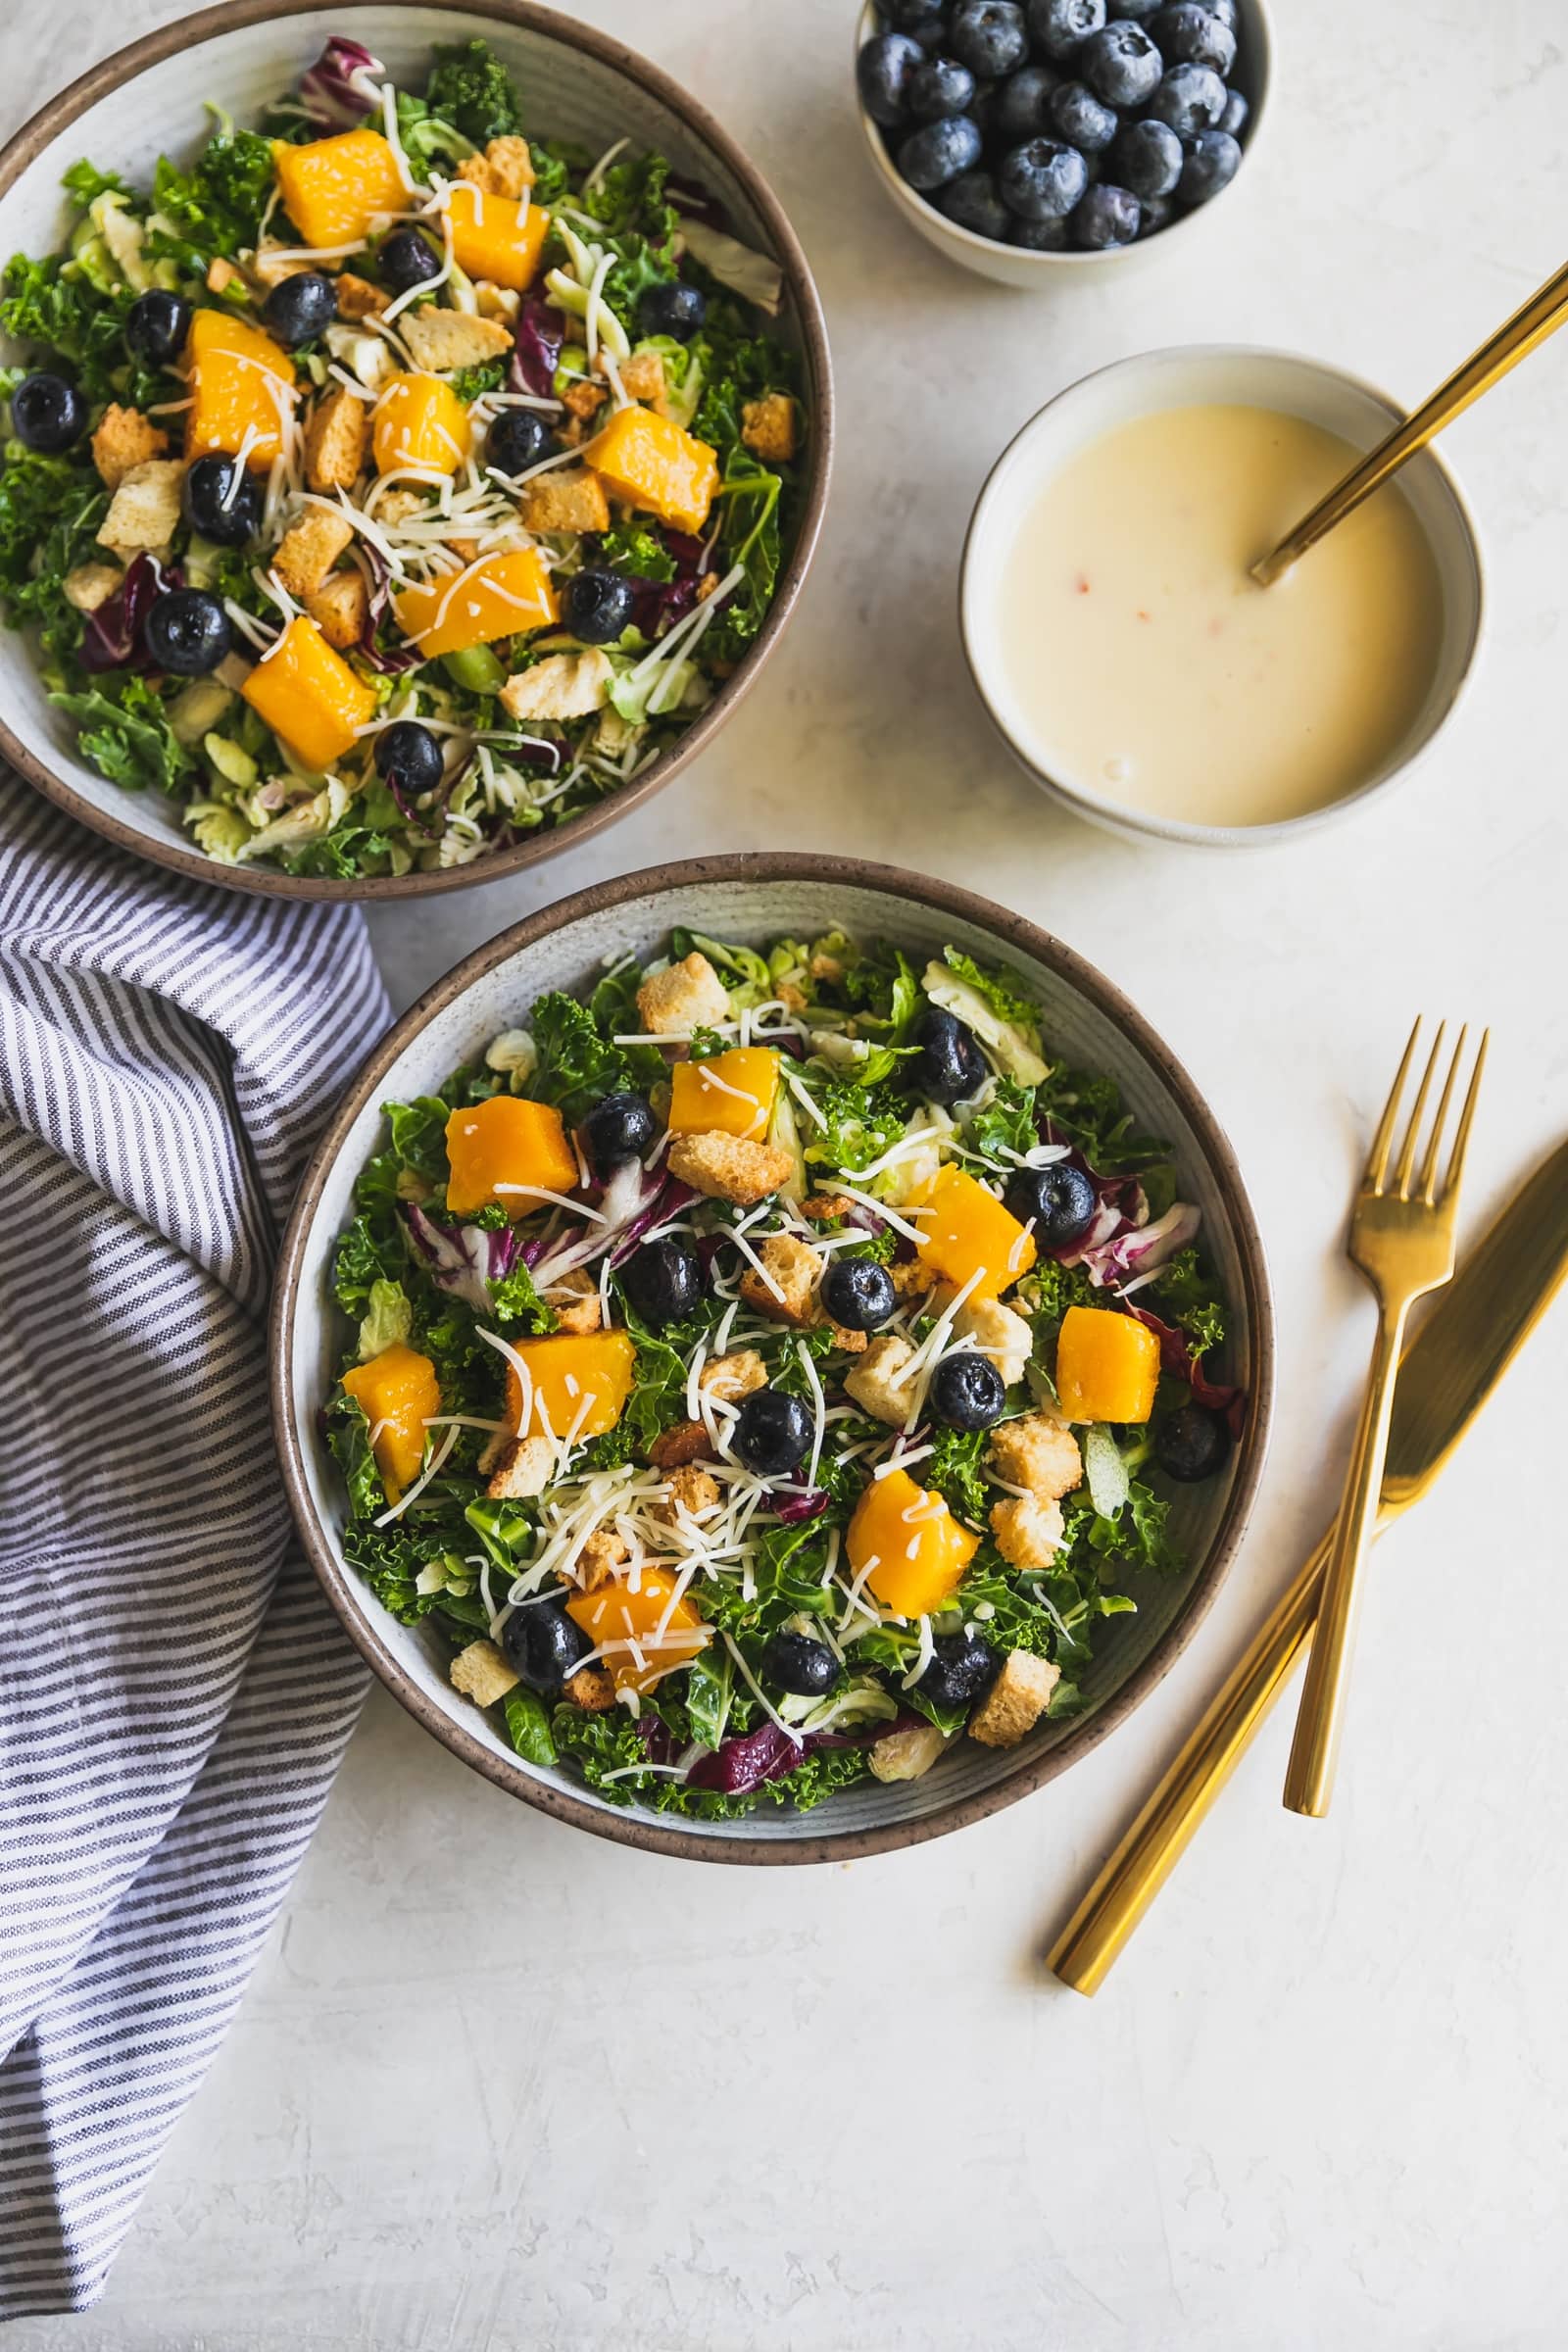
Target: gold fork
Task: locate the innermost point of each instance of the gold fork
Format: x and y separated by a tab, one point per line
1401	1239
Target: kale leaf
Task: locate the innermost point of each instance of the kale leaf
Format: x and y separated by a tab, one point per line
471	89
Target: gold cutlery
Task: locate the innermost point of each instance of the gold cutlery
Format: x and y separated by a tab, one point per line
1461	1351
1514	340
1401	1239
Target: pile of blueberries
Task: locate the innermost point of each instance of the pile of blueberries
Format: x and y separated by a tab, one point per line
1058	123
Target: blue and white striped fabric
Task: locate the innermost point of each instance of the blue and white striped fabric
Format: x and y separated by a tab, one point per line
174	1693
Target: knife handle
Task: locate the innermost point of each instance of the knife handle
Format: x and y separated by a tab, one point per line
1151	1848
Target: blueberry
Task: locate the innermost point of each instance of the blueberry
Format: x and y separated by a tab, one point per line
938	152
1212	161
673	309
967	1391
407	260
1191	99
988	36
1158	211
220	501
411	753
517	439
156	327
1059	25
949	1063
883	72
971	201
1041	180
1058	1203
187	632
543	1644
619	1128
597	605
1040	236
1018	111
1226	12
904	16
940	86
1237	109
930	36
795	1662
300	308
1190	1444
1108	216
47	413
1078	117
1121	65
1188	34
1138	11
772	1433
962	1666
1147	158
664	1280
857	1292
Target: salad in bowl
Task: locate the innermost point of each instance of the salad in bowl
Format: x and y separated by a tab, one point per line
768	1367
396	481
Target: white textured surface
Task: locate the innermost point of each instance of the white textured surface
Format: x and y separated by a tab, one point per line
498	2084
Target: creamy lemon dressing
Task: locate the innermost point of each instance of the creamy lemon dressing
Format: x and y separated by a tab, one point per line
1146	666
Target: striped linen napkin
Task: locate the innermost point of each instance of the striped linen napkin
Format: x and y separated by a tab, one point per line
174	1693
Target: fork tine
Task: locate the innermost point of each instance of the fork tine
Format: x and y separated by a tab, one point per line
1426	1182
1377	1163
1412	1133
1451	1182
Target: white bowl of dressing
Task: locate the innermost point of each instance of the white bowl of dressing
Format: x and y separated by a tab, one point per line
1129	663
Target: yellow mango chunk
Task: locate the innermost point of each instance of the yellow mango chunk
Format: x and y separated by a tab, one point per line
730	1094
495	1145
651	462
500	596
418	420
240	381
964	1230
396	1393
1107	1366
577	1384
631	1621
914	1547
307	694
495	238
333	189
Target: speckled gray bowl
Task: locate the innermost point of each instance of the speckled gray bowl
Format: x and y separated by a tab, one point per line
758	898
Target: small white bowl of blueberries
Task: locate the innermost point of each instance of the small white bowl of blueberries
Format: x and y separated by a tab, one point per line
1024	136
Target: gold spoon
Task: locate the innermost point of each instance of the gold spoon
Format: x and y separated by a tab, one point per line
1523	334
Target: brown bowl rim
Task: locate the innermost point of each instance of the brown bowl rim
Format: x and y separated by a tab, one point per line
1008	930
186	33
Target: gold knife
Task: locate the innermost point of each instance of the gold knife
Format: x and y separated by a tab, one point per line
1450	1369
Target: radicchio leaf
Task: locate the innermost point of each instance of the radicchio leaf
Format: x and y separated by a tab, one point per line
458	1258
807	1502
1177	1358
342	87
114	637
738	1766
536	347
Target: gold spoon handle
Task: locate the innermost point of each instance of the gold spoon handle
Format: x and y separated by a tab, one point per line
1523	334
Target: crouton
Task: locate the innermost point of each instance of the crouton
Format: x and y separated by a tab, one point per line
642	376
398	505
910	1276
850	1343
1000	1334
689	995
221	275
336	440
356	298
591	1688
1037	1453
274	263
729	1378
724	1167
1015	1700
510	166
124	438
144	512
439	340
904	1755
825	967
792	998
466	551
561	686
826	1208
768	427
91	585
787	1289
570	499
686	1441
584	400
692	1492
1028	1528
308	549
340	608
482	1674
598	1555
875	1384
496	302
524	1469
576	1304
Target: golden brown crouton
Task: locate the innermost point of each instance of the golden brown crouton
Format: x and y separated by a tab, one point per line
1036	1452
274	263
692	1492
91	585
825	967
904	1755
584	400
1016	1701
1028	1530
356	298
875	1384
439	340
685	1442
335	441
482	1674
144	511
825	1208
790	1295
124	438
398	505
577	1303
466	551
1000	1334
524	1469
768	427
510	166
598	1555
729	1378
561	686
340	608
851	1343
570	499
221	275
591	1688
686	996
642	376
308	549
725	1167
909	1276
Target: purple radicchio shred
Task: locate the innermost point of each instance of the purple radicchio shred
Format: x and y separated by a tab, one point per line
671	1197
536	346
660	1741
807	1502
738	1766
115	634
1177	1358
393	662
660	604
340	88
456	1257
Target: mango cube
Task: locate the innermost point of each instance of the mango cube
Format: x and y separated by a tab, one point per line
729	1094
917	1550
492	237
396	1393
505	1151
333	189
419	421
241	382
964	1230
1107	1366
309	695
651	462
575	1384
500	596
641	1624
